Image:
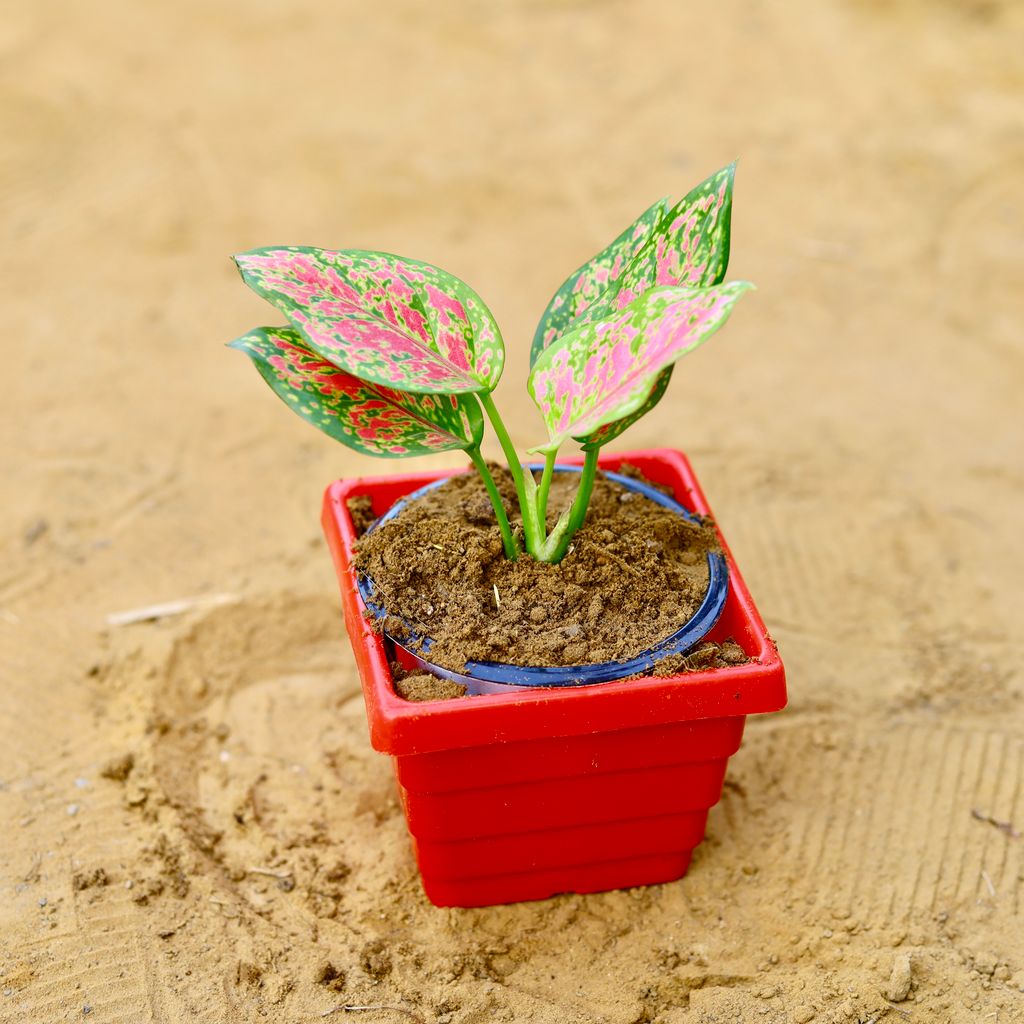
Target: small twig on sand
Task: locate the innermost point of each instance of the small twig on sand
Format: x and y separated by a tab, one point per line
285	879
166	933
362	1009
497	598
280	875
153	612
988	883
1003	826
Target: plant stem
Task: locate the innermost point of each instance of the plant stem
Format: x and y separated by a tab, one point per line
527	507
545	486
511	547
580	503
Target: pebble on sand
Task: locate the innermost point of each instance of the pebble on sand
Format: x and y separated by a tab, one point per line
899	980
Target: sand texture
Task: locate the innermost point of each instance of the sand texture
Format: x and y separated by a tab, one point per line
193	827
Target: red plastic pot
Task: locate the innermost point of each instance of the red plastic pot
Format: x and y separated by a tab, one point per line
518	796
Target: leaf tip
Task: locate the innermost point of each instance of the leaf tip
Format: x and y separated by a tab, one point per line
242	259
249	342
238	258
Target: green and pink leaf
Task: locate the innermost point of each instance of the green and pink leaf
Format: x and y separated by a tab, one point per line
689	246
367	417
685	245
610	431
396	322
605	371
587	284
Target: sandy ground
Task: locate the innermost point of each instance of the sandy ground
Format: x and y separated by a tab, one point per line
858	430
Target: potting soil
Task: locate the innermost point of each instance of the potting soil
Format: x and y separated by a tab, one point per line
635	573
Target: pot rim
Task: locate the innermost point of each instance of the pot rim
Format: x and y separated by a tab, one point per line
401	727
499	677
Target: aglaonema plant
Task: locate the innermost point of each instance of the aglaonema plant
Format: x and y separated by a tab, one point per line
394	357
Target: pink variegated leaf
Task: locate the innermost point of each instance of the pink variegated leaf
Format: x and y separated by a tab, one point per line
602	372
689	246
368	417
610	431
393	321
686	245
593	279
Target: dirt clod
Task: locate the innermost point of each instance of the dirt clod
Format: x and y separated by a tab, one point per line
985	962
422	686
417	685
97	878
361	510
146	890
899	979
376	960
326	974
705	656
732	654
172	875
248	975
118	768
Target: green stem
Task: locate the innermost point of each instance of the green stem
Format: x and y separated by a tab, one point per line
545	487
511	548
580	503
527	507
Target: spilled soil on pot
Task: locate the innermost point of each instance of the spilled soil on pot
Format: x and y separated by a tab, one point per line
418	685
635	573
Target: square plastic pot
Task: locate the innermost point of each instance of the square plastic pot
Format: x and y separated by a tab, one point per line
518	796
